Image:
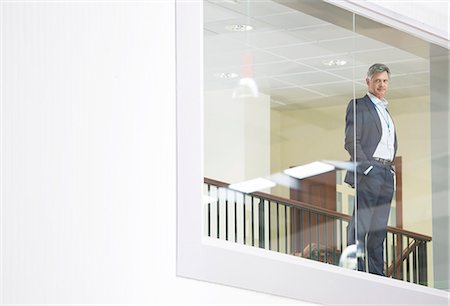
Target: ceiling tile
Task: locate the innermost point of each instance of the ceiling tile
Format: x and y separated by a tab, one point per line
293	94
291	20
289	49
310	78
214	13
279	69
344	88
301	51
252	7
323	31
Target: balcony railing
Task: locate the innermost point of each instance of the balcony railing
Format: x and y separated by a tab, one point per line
301	229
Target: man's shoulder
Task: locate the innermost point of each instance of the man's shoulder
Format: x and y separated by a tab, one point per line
361	100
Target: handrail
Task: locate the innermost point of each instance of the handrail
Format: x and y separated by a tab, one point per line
400	258
311	207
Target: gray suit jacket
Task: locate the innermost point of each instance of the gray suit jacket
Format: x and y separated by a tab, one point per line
368	135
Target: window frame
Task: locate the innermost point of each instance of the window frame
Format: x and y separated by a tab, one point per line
246	267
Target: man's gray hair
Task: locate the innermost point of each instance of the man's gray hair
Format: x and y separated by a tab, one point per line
377	68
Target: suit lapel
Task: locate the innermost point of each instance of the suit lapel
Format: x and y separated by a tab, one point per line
373	112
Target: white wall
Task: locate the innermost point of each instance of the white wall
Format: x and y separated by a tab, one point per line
236	136
88	158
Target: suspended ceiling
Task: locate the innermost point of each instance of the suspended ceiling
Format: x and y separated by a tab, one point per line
287	53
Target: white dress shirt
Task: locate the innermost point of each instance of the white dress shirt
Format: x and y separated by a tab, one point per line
386	146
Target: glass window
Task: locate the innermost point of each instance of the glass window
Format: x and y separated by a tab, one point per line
280	86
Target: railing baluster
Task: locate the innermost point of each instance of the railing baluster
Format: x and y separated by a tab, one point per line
301	232
341	233
408	279
386	250
310	233
244	223
226	215
261	223
253	222
415	270
400	254
333	240
317	236
423	279
285	230
325	233
270	226
235	218
209	212
218	213
394	256
278	227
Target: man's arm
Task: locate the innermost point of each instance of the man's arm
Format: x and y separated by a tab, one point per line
353	132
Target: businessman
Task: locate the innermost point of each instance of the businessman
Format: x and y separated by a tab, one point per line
371	141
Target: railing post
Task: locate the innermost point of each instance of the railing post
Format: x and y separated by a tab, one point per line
261	224
423	271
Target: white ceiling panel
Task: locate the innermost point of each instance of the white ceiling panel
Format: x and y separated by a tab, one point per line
344	88
213	13
349	72
239	59
272	38
289	51
324	31
222	44
351	44
291	20
279	69
293	95
306	50
252	7
219	27
267	85
310	78
410	66
383	55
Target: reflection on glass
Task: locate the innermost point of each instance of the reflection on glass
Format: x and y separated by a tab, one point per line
371	141
285	106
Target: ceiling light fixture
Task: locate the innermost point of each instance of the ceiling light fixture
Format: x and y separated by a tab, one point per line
239	27
227	75
334	62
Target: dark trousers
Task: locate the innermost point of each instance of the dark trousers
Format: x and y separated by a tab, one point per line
373	201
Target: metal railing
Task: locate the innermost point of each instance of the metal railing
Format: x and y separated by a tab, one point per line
301	229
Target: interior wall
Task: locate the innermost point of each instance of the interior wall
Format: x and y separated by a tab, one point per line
88	158
306	135
237	140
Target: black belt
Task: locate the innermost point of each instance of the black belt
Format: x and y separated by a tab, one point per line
383	161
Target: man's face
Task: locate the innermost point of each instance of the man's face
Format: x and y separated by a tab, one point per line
378	84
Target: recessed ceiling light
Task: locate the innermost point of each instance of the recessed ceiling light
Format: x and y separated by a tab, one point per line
227	75
239	27
334	62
